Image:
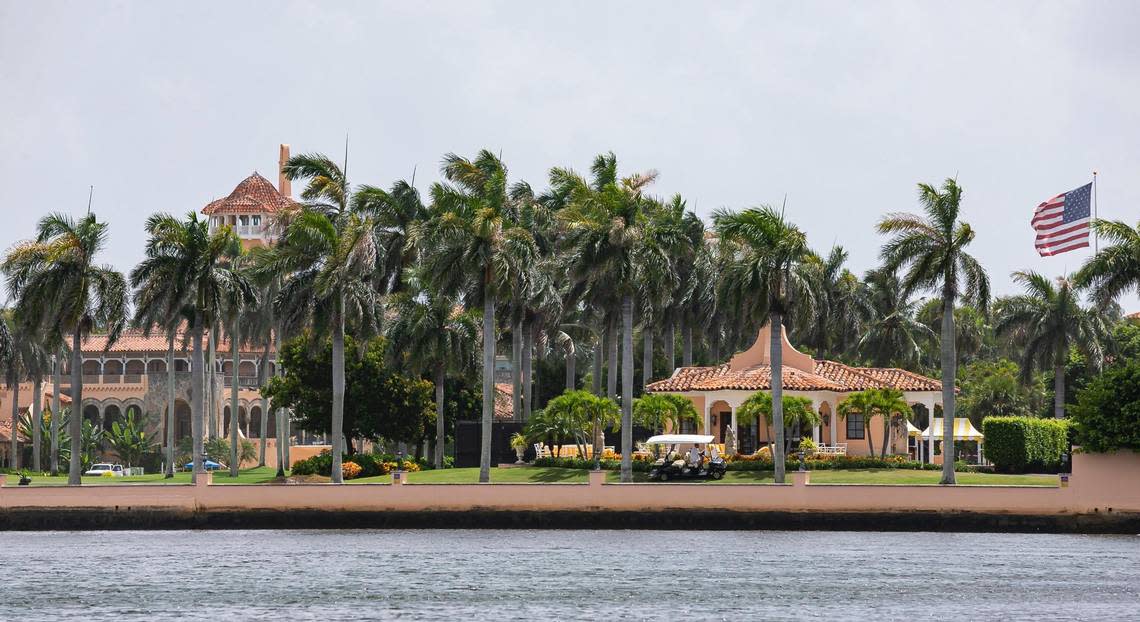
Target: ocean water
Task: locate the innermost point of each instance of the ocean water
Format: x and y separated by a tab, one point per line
566	575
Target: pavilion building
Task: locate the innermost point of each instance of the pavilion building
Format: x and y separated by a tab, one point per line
716	392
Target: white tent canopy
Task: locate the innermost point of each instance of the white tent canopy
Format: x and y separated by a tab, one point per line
963	430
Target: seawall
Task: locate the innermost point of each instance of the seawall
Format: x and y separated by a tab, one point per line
1103	496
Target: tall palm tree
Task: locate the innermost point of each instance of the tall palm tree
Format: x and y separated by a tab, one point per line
436	336
199	265
238	301
1115	268
611	238
768	275
60	290
330	255
475	246
844	306
932	249
1045	323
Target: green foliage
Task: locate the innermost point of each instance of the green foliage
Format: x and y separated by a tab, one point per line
995	388
835	463
573	415
379	403
796	410
583	464
657	411
1107	413
370	465
1020	443
25	431
129	439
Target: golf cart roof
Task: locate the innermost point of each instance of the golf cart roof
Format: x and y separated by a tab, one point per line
665	439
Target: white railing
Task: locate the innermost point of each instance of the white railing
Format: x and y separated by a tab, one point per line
832	450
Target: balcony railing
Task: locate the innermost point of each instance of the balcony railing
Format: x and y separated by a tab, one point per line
249	382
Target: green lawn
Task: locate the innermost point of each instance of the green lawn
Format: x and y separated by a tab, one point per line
550	475
256	475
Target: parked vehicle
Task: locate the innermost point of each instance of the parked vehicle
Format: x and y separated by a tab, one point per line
207	464
687	456
102	468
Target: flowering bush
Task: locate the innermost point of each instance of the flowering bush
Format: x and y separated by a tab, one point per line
350	469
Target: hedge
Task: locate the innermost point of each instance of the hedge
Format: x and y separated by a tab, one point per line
748	463
1024	443
370	465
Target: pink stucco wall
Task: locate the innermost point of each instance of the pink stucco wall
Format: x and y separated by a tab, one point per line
1099	482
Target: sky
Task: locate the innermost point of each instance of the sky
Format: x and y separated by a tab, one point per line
842	108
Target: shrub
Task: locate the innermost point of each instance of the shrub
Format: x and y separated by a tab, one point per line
639	465
320	464
1024	443
1106	416
350	469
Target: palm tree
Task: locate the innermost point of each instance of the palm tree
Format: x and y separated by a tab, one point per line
844	306
1115	268
864	403
435	335
60	290
894	336
661	411
933	251
1045	323
329	255
474	246
894	409
199	267
797	412
237	302
611	239
768	275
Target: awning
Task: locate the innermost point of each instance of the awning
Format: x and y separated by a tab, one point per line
963	430
911	430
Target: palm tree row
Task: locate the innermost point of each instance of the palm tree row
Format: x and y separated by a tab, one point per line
577	270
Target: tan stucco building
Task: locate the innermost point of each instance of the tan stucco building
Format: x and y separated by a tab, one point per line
718	391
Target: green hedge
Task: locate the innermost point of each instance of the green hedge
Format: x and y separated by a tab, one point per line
581	463
836	463
1024	443
370	464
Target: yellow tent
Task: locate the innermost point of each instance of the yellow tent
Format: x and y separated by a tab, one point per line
963	430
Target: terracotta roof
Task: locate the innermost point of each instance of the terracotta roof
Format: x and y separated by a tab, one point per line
901	379
755	378
1133	316
255	194
828	376
133	340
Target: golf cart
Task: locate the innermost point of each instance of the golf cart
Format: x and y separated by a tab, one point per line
687	456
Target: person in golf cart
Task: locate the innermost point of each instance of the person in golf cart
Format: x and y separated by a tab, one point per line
689	464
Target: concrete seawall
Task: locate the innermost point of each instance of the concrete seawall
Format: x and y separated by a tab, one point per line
1103	496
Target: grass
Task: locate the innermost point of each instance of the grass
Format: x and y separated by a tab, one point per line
552	475
255	475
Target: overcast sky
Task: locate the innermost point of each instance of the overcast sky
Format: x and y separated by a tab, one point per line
841	107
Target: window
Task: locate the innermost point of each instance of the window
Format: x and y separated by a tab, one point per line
855	425
244	220
255	220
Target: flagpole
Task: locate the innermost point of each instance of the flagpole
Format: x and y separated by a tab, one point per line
1096	234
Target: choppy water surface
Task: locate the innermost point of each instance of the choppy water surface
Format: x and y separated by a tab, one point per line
560	575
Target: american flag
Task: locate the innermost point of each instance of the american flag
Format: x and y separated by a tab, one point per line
1062	223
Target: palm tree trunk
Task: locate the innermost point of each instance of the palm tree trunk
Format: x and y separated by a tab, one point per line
627	389
197	397
170	420
75	425
1059	391
57	363
279	421
670	345
263	432
488	385
235	338
37	424
612	355
716	346
949	371
777	367
599	349
440	430
646	356
886	436
571	362
687	344
527	369
338	392
867	433
15	421
211	405
516	370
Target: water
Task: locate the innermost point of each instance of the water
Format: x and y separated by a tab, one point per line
565	575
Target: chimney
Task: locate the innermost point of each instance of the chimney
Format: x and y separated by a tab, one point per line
283	185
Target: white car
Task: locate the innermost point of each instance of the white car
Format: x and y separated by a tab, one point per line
98	470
